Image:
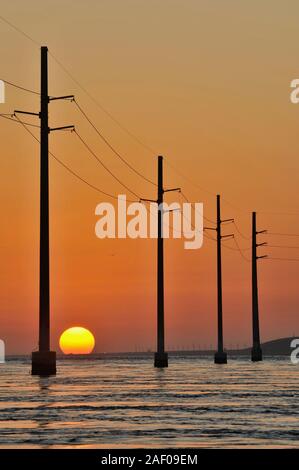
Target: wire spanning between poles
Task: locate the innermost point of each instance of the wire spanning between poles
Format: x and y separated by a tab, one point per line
12	116
284	234
104	166
235	248
287	247
107	142
116	121
20	31
200	188
20	87
210	237
182	175
72	172
101	107
245	237
76	81
239	250
204	217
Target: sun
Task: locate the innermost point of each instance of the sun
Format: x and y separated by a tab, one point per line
76	340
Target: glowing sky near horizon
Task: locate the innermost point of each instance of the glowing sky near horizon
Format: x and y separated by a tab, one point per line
207	85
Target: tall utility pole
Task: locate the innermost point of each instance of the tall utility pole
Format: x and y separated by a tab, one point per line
256	352
44	360
161	357
220	355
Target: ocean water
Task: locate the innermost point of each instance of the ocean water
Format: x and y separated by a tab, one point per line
128	403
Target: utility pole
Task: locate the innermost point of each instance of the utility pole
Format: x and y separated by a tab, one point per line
44	360
161	357
220	355
256	352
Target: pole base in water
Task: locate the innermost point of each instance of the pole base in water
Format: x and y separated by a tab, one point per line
161	359
220	357
256	354
43	363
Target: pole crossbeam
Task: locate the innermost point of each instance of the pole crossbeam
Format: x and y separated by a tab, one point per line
16	111
62	128
231	235
171	190
67	97
225	221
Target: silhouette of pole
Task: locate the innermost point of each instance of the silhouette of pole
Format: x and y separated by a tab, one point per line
220	355
44	360
256	352
44	285
161	357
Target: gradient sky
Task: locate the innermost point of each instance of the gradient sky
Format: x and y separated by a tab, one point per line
205	83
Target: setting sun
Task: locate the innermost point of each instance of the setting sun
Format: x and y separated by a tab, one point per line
77	340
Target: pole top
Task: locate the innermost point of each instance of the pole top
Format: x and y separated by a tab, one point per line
44	48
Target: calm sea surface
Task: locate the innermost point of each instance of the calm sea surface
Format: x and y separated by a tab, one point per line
127	403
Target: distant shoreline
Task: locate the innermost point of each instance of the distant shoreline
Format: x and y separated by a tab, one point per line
277	347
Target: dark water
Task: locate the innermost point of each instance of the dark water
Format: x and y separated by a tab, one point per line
128	403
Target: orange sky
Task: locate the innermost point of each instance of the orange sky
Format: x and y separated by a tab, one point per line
204	83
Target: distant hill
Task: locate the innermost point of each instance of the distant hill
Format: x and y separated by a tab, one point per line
276	347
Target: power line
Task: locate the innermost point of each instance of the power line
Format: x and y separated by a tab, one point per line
180	173
116	197
111	146
129	132
245	237
116	121
200	188
279	213
101	107
284	234
284	246
104	166
20	87
92	98
214	239
19	31
70	170
204	217
236	249
241	251
17	122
